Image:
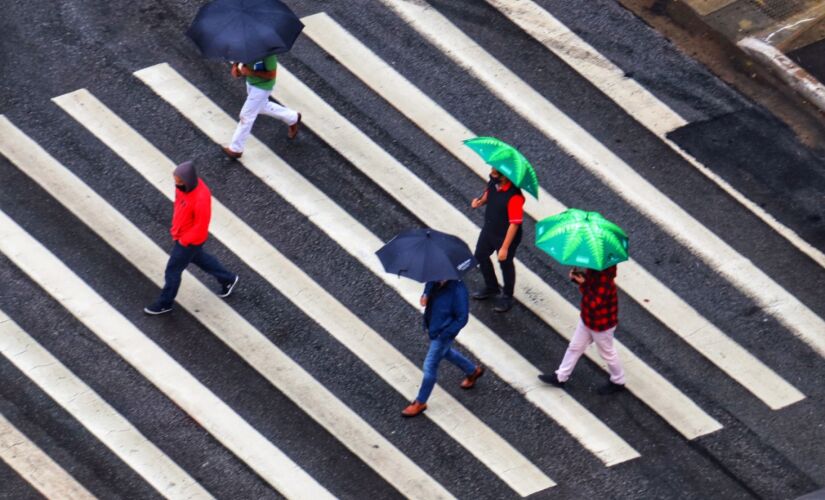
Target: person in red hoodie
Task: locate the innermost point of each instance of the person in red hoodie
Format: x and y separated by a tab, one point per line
597	324
190	229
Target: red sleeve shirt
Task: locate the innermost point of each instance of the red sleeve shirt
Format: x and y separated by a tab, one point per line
600	302
515	209
193	210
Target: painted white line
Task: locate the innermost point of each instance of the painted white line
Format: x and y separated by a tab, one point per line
588	62
643	106
33	465
95	414
143	354
678	410
311	298
648	292
613	171
361	243
118	332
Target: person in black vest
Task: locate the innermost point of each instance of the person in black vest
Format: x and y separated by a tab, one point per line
501	233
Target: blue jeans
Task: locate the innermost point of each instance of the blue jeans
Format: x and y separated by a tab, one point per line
440	349
180	257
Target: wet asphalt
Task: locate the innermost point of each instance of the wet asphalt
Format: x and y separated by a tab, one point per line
760	453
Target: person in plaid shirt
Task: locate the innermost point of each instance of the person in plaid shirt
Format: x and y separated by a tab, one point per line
597	323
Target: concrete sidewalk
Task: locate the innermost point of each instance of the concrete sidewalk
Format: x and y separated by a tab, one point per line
788	36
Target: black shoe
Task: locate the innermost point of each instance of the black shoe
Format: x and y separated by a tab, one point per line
503	304
226	290
611	388
156	309
485	294
552	379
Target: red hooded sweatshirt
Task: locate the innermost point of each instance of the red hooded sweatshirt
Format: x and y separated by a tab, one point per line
193	210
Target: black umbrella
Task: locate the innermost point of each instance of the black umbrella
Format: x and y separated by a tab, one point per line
426	255
244	30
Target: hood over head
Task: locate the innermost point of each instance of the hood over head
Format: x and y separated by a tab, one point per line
186	171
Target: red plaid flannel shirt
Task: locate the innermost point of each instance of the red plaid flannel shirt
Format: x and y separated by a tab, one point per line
600	303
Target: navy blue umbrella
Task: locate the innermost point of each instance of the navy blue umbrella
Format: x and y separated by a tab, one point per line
244	30
426	255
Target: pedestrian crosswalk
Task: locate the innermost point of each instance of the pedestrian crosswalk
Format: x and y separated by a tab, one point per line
491	351
614	172
466	423
667	306
103	421
310	297
37	467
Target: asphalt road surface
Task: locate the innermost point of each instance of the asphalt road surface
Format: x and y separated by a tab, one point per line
721	308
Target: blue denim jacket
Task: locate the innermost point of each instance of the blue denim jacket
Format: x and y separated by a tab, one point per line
448	309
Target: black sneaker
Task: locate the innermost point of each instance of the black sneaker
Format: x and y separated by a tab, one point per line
485	294
503	304
611	388
226	290
552	379
156	309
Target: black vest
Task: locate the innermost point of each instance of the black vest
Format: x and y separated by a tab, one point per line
496	218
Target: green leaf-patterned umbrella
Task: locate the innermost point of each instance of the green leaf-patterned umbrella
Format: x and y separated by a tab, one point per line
584	239
507	160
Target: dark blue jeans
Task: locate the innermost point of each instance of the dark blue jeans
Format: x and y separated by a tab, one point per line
180	257
440	349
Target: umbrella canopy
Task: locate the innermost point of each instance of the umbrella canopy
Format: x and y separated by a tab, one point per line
244	30
507	160
586	239
426	255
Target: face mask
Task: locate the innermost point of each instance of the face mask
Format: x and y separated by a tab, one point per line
182	187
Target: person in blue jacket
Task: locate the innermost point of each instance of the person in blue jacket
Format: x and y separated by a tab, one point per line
446	311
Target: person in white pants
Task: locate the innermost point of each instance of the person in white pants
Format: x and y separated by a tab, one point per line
597	324
260	80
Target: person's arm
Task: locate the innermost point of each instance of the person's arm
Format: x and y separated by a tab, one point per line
515	214
508	240
428	288
266	75
480	201
461	314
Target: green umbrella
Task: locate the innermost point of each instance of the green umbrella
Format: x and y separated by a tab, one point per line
586	239
507	160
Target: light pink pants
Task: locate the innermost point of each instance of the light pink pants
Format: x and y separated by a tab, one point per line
581	340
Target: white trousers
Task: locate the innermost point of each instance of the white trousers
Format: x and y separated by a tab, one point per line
581	340
257	102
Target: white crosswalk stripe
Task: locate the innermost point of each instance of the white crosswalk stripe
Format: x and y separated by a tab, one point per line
643	106
238	334
305	293
360	243
614	172
648	292
151	361
95	414
676	408
31	463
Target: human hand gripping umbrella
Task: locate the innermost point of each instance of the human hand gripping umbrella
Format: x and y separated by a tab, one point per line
507	160
426	255
584	239
244	30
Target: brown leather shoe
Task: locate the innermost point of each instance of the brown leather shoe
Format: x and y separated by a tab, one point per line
470	381
293	129
232	154
414	409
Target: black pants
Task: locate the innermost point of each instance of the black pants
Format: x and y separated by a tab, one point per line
486	246
180	257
